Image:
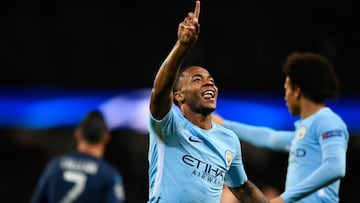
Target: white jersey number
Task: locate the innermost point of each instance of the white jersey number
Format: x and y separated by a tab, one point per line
79	180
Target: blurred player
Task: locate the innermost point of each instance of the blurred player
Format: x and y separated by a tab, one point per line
82	176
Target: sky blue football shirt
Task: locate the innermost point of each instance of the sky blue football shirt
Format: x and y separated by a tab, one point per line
317	154
188	164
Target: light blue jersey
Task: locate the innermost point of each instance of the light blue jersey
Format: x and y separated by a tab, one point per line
317	154
188	164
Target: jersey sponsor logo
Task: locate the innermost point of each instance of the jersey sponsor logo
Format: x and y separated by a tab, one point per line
205	171
194	139
228	157
332	133
300	134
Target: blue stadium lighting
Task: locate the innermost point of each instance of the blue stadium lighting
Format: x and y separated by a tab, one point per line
41	108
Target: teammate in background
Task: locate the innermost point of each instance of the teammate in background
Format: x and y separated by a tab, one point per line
190	156
82	176
317	148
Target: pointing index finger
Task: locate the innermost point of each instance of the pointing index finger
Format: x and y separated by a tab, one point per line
197	9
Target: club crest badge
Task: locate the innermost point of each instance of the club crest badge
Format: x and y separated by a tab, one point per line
300	134
228	157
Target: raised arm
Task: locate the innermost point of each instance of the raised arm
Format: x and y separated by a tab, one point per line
161	95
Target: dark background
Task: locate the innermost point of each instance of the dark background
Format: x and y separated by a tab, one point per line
121	44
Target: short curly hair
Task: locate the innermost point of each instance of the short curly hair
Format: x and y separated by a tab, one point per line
313	74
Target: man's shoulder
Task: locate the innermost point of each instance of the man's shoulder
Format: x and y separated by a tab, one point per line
225	132
328	117
109	168
224	129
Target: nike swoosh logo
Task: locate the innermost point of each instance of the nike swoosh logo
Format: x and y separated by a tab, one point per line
192	139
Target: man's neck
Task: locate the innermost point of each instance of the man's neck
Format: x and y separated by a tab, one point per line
200	120
96	150
309	108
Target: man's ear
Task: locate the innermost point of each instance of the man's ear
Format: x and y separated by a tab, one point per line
77	134
297	91
179	97
107	137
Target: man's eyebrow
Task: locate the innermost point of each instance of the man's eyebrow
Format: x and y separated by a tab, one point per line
201	75
197	75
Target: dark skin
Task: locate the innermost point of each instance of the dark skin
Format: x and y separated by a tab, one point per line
196	92
161	99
